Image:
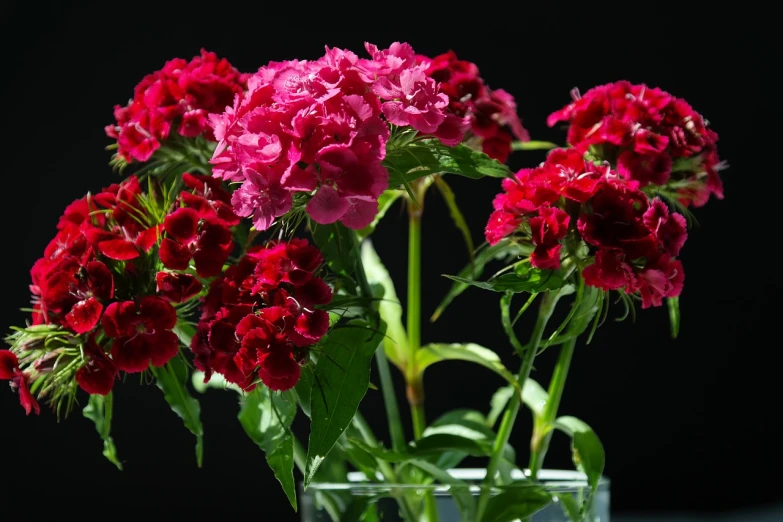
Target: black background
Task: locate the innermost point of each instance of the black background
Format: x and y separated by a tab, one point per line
691	424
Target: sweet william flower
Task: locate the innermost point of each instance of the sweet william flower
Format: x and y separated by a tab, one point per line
266	347
177	288
141	333
9	371
547	229
97	376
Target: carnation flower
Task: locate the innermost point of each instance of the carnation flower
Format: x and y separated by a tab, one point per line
180	96
634	240
492	113
10	371
649	135
259	319
320	128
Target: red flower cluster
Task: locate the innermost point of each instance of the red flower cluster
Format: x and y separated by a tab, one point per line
492	113
199	229
635	241
101	274
648	135
260	316
182	94
322	126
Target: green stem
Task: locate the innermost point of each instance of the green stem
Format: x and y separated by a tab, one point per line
528	354
390	401
415	390
542	431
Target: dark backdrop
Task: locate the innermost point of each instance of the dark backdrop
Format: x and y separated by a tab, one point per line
691	424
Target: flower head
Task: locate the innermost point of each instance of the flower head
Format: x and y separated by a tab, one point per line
261	316
180	96
649	135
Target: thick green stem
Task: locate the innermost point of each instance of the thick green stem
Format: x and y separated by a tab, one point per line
542	431
415	386
528	354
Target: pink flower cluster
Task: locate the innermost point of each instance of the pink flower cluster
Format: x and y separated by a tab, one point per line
182	94
635	241
643	132
492	112
259	318
322	126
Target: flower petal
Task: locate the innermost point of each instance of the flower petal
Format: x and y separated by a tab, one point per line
118	249
84	315
327	206
182	224
174	255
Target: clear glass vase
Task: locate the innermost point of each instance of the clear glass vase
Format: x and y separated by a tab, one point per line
361	500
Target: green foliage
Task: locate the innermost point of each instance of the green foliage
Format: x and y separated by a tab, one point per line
456	214
505	250
338	246
172	380
423	158
458	489
430	354
524	278
515	503
266	417
533	145
395	342
342	375
587	452
99	410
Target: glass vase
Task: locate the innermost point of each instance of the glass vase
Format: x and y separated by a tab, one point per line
360	500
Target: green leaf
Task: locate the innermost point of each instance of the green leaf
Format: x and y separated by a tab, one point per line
502	251
533	145
357	509
395	343
362	459
216	381
525	279
380	452
185	331
304	388
430	354
385	201
422	158
266	418
99	410
516	502
674	315
337	246
342	375
570	505
172	380
535	397
456	214
458	489
588	452
497	405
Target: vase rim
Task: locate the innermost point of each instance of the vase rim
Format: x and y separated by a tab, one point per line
553	479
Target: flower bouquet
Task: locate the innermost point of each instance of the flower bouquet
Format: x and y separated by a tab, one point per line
236	255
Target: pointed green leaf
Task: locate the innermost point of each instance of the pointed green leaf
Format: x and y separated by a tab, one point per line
458	489
422	158
515	503
524	279
588	452
385	201
380	452
99	410
504	250
395	342
266	417
341	378
674	315
337	246
535	397
456	214
430	354
172	380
